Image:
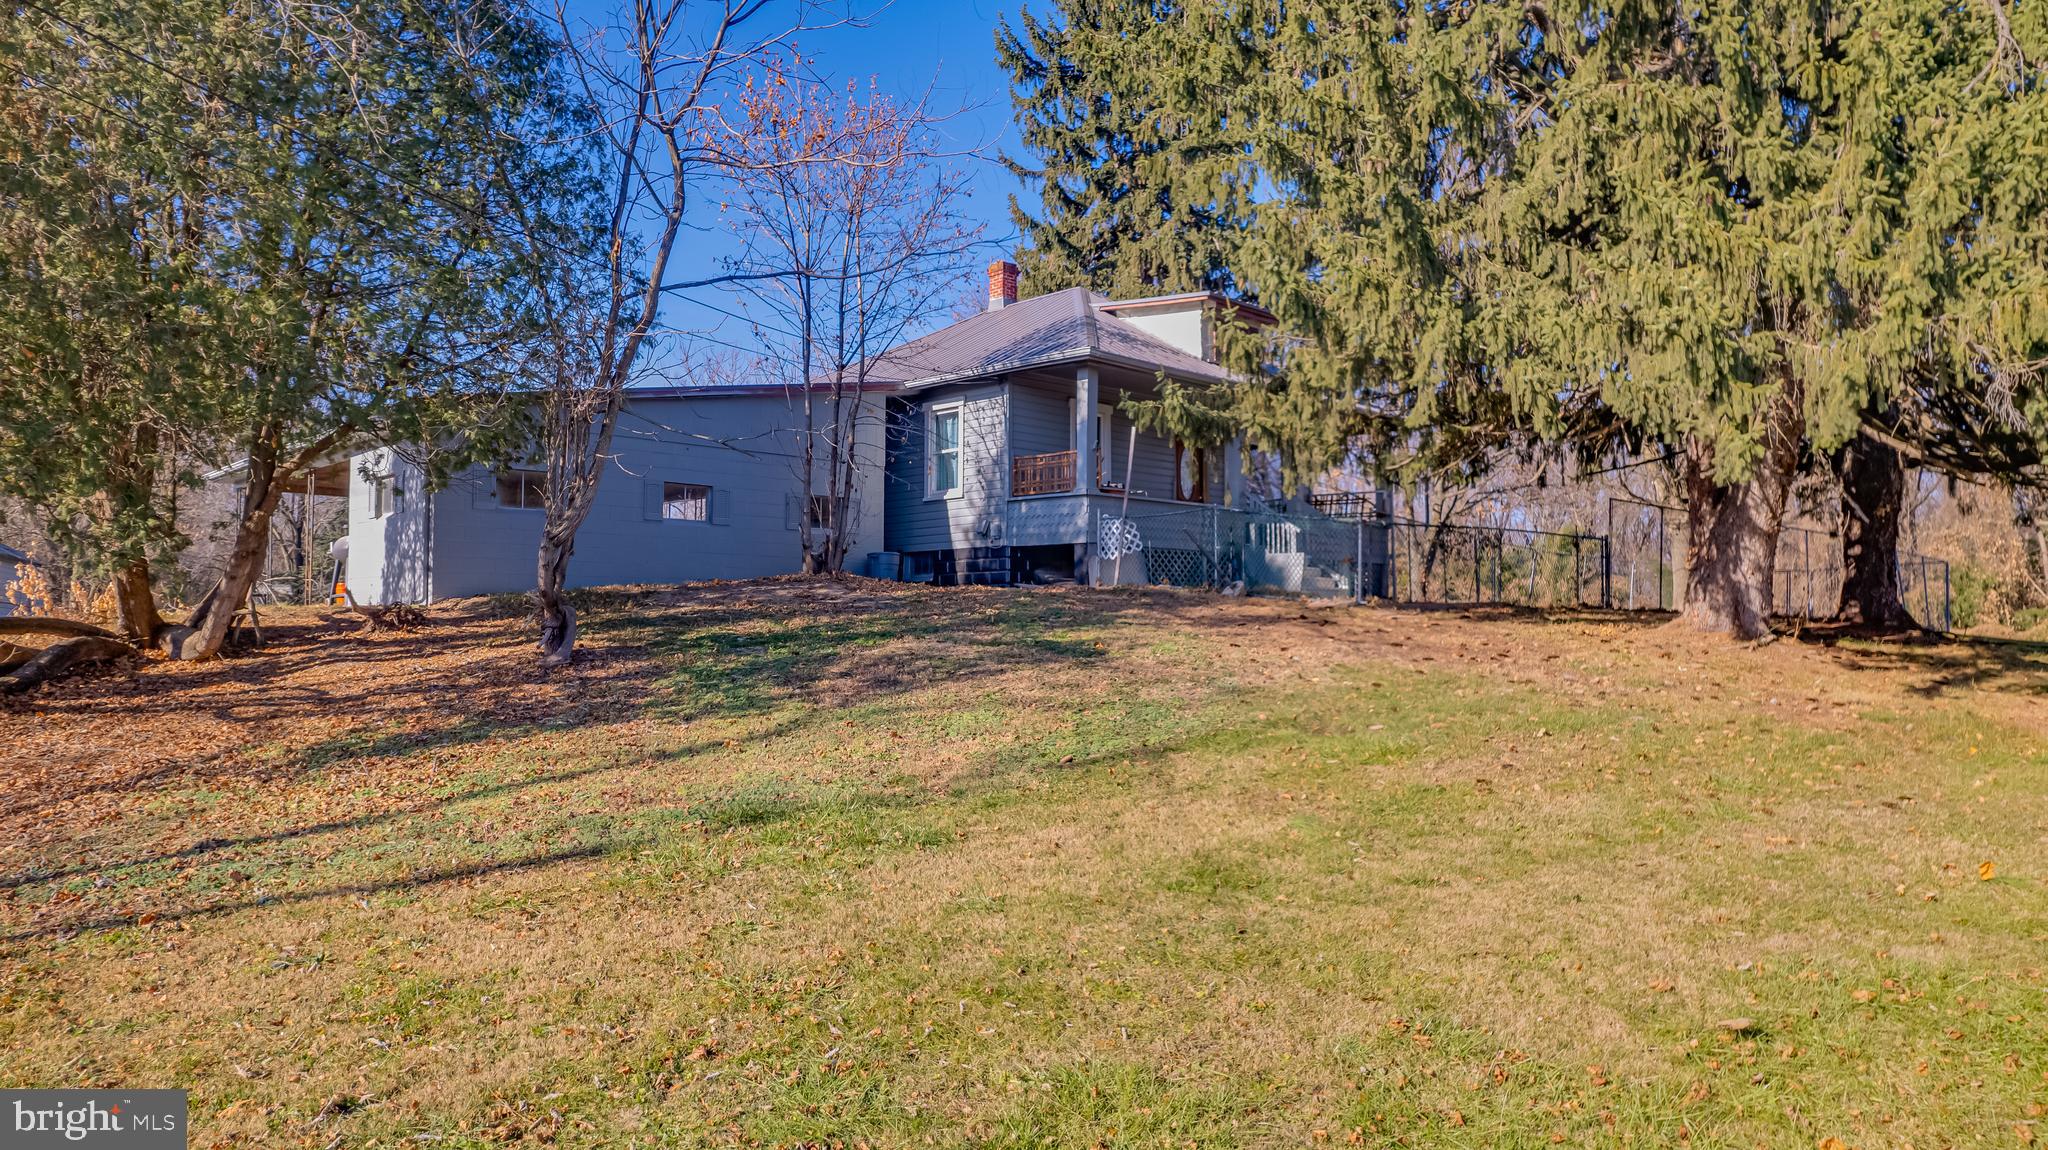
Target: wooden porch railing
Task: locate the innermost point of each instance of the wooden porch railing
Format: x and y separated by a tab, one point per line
1042	474
1345	504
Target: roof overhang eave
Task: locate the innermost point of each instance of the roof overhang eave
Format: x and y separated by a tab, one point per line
1059	359
340	453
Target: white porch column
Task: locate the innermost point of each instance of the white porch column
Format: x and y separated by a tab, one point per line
1087	393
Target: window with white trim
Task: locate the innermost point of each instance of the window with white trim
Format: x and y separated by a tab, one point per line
942	451
687	502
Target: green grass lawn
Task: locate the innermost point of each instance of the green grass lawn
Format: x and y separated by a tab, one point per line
781	866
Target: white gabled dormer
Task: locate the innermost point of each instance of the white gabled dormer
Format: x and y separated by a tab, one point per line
1186	322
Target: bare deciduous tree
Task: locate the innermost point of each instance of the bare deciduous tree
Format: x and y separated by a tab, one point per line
850	223
660	92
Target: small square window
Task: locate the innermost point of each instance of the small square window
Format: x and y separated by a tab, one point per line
526	490
689	502
821	511
385	496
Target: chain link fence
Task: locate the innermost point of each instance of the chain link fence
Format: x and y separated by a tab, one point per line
1456	563
1638	565
1647	541
1221	547
1924	589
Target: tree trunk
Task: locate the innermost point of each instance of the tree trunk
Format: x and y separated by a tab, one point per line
1873	498
1732	530
557	617
203	634
135	603
207	629
59	658
2027	516
46	625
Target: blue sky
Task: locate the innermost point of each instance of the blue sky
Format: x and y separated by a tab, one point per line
907	48
948	45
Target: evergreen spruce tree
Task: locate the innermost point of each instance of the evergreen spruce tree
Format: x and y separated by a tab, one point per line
1727	232
1135	171
1962	287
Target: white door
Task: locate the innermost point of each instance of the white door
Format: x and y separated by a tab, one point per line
1105	424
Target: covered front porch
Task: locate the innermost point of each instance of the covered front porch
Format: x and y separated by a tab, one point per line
1071	435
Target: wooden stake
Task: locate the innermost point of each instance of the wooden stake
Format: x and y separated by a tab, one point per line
306	541
1116	575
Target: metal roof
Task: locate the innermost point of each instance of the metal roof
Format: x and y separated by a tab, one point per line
822	385
1068	326
10	555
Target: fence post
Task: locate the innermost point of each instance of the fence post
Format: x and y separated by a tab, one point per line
1578	572
1663	563
1358	563
1475	568
1500	553
1215	553
1607	574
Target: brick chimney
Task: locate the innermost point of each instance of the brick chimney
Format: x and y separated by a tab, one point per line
1002	284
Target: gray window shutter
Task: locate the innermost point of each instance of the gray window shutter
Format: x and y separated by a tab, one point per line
721	505
652	502
790	502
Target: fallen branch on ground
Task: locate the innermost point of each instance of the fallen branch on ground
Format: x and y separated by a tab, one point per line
62	657
50	625
390	616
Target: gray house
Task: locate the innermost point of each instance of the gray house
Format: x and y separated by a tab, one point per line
1007	446
995	450
705	483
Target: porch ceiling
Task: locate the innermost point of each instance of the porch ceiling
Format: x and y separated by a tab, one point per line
330	480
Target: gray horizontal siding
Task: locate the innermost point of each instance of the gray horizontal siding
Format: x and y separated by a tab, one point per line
746	449
10	570
1153	472
974	518
1040	420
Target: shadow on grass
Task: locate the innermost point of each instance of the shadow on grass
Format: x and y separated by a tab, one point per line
417	880
672	654
206	847
742	662
857	821
1941	664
